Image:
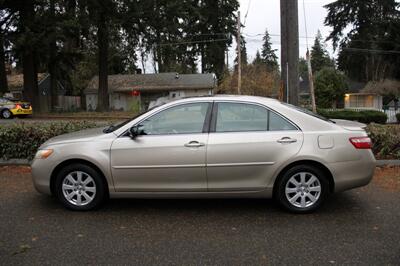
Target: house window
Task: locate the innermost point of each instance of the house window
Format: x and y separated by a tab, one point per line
361	101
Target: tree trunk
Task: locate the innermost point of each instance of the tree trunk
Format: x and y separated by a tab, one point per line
3	73
71	45
52	62
31	89
102	42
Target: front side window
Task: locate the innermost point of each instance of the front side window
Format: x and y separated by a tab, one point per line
240	117
182	119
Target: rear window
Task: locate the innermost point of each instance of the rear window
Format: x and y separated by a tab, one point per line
308	112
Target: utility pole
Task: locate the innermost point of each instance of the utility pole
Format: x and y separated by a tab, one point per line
290	50
239	88
311	81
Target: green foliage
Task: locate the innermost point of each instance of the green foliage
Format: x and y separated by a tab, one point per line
268	54
363	46
398	117
330	86
366	117
21	141
319	55
385	140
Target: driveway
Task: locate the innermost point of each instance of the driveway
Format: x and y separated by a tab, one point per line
356	227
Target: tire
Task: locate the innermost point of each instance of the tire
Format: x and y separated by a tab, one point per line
6	114
79	187
302	197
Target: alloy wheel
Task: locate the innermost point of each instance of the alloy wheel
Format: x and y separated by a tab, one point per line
79	188
303	189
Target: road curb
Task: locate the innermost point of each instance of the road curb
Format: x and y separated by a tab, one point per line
15	162
28	162
387	162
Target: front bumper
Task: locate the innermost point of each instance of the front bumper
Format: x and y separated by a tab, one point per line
41	175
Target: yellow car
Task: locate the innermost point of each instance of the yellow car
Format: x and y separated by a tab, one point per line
11	107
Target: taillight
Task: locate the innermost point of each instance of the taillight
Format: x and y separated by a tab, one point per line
361	142
17	106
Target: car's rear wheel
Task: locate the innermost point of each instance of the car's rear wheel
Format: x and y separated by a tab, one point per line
80	187
6	114
302	189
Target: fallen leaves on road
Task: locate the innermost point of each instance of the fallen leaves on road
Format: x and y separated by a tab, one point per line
388	177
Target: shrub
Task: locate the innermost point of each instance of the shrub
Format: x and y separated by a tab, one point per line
385	140
366	117
398	117
21	141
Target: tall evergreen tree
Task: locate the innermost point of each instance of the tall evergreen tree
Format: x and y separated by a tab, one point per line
319	55
363	50
268	54
258	61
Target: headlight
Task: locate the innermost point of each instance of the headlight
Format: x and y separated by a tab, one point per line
43	154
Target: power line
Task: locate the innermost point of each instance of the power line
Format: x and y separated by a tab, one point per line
190	42
371	50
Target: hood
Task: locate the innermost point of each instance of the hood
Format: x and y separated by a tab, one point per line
78	136
350	125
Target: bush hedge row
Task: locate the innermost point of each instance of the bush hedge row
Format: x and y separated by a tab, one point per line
368	116
21	141
398	117
385	140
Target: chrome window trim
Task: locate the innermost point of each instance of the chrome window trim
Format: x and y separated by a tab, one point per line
263	106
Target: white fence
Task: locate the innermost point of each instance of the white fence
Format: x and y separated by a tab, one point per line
391	113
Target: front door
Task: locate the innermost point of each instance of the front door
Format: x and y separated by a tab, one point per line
246	144
169	155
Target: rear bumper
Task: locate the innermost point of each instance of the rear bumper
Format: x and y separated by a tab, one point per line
21	111
352	174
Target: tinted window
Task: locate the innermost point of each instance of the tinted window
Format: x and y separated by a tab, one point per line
276	123
234	117
239	117
187	118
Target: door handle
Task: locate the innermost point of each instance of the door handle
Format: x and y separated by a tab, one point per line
194	144
285	140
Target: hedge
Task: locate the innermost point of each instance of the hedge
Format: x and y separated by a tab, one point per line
21	140
385	140
398	117
366	117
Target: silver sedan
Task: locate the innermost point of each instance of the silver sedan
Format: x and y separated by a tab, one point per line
221	146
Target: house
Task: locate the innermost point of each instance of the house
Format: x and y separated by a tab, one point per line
363	100
358	97
139	91
16	88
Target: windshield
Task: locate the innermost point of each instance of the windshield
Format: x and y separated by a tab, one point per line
112	128
308	112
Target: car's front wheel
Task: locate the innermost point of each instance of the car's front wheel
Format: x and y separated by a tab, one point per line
6	114
302	189
80	187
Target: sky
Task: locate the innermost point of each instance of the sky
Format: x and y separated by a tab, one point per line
265	14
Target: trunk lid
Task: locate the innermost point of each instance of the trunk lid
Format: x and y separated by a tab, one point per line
350	125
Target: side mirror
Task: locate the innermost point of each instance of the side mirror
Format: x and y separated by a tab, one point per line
134	132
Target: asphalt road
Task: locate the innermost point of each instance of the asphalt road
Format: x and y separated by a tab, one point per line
361	227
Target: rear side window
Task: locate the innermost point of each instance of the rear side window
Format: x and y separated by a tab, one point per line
277	123
242	117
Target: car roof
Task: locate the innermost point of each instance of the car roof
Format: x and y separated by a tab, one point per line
229	97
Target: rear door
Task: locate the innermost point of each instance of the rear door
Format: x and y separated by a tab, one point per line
246	144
